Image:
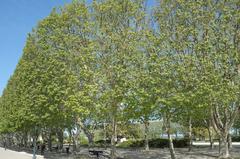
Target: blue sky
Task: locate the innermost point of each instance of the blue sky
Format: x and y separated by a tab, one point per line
17	18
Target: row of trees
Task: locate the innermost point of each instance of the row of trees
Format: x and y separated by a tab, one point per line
117	61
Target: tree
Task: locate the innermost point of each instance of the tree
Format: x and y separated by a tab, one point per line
117	37
209	37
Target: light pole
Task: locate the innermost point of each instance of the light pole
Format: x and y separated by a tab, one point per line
34	143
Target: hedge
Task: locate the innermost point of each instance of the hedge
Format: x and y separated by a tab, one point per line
235	138
154	143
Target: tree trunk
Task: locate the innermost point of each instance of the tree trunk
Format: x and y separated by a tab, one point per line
210	135
171	147
235	131
34	147
105	135
225	148
87	132
25	139
90	137
50	141
219	146
190	134
229	141
9	142
75	139
113	142
222	127
176	134
146	126
60	139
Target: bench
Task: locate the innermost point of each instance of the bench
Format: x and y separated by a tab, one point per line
55	148
95	153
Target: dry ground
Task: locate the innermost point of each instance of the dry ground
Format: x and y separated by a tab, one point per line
182	153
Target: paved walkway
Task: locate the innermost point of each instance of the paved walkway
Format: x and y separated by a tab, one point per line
202	143
9	154
199	152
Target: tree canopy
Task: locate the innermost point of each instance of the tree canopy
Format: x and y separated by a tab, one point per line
114	61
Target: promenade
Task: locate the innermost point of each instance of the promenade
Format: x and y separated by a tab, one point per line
9	154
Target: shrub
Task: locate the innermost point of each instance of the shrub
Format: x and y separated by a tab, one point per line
158	143
235	138
101	143
179	143
126	144
154	143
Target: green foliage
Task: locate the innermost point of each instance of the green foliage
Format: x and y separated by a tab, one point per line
153	143
235	138
114	62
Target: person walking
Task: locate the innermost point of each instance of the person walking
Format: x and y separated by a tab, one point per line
5	145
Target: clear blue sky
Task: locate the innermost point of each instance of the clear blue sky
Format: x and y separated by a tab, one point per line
17	18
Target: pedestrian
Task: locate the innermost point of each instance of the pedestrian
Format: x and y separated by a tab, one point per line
5	145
